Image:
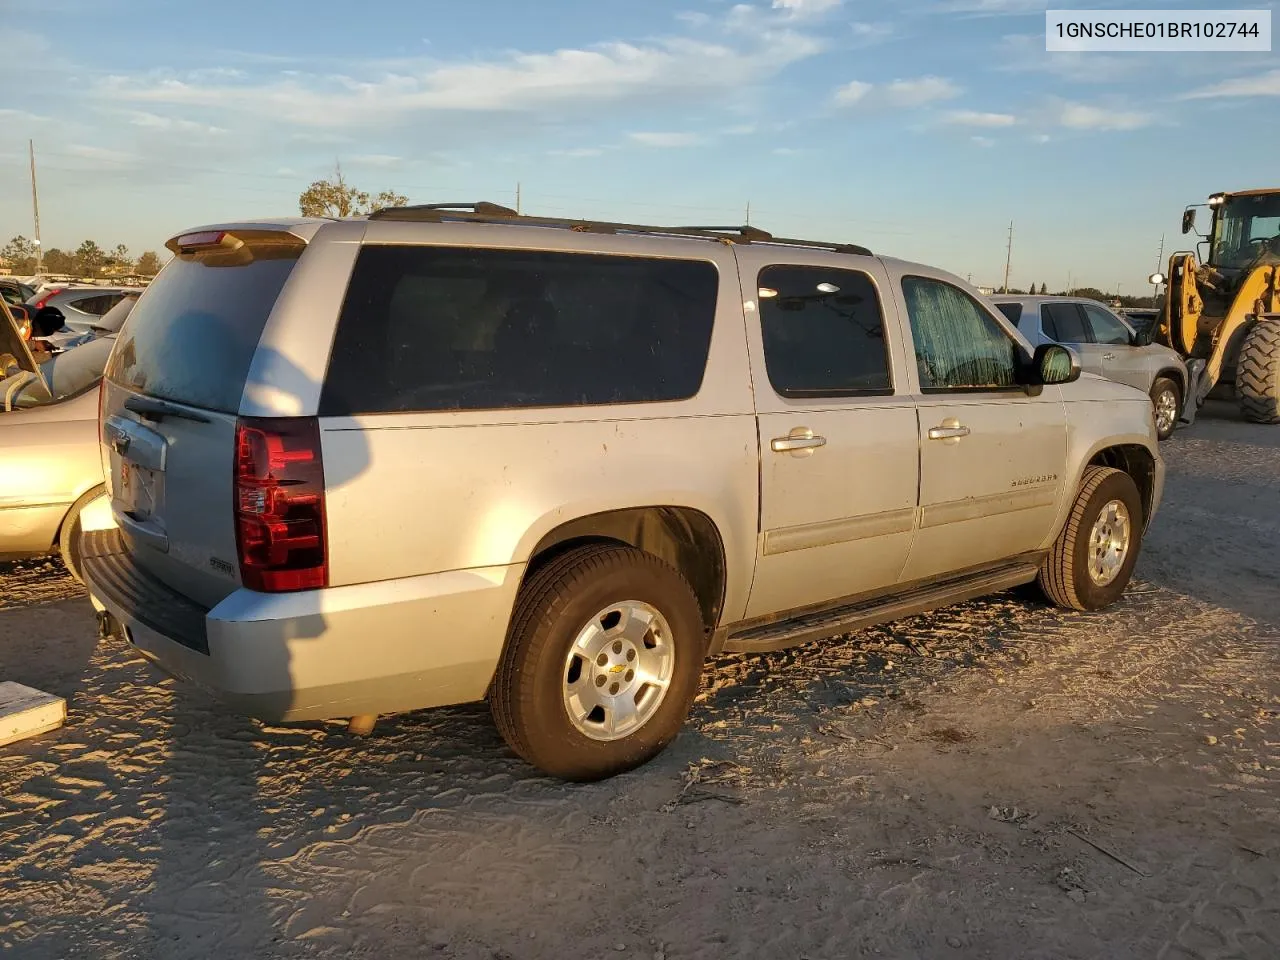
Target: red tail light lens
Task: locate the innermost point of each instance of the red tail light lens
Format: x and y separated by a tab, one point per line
48	295
279	505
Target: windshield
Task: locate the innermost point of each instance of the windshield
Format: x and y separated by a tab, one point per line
1242	227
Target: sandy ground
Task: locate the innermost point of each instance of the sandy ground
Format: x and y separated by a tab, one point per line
997	780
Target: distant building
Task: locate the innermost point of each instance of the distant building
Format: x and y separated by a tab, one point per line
986	291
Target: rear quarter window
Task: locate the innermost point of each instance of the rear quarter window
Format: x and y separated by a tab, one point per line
439	328
191	336
1012	311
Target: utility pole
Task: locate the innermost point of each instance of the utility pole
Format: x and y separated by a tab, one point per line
1159	266
517	196
1008	258
35	207
748	220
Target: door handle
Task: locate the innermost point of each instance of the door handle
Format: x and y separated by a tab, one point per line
800	441
950	429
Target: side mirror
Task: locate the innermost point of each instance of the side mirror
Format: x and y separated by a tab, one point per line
1157	278
1054	364
1188	219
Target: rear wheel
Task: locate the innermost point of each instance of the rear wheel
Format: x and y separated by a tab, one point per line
603	659
1091	562
1166	402
1258	373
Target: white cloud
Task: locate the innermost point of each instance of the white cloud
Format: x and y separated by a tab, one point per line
1041	138
922	90
101	154
806	8
1025	53
21	116
375	160
871	32
579	152
153	121
1083	116
853	92
983	141
900	93
665	139
974	118
1262	85
994	8
671	69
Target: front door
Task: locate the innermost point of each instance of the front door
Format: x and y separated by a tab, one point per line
838	450
1065	323
1121	361
992	455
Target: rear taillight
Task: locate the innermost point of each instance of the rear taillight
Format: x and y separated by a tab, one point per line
48	295
279	504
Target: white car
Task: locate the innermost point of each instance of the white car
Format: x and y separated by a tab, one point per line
1108	346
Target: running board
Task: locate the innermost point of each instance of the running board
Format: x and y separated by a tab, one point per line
860	614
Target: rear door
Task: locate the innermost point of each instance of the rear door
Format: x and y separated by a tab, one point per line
172	393
838	455
1121	361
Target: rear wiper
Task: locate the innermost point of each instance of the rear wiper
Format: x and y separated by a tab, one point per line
152	408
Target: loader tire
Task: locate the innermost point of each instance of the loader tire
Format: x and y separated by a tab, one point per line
1258	373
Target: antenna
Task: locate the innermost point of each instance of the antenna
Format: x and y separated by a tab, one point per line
35	207
1008	258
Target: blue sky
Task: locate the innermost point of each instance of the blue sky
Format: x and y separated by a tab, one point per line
919	128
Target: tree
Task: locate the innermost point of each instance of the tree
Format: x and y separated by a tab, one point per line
59	261
337	198
1031	289
21	254
1043	290
120	259
148	264
89	258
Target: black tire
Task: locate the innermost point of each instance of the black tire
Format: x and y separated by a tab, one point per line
1064	577
69	533
1258	373
1162	386
553	606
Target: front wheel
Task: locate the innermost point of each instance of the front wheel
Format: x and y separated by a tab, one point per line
1258	372
602	661
1091	562
1166	405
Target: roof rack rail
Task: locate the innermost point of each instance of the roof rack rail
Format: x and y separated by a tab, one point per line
485	212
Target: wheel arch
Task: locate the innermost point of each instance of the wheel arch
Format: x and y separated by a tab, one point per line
684	537
1135	460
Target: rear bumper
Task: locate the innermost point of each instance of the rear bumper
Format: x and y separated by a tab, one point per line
372	648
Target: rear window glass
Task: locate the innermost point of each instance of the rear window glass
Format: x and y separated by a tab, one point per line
437	328
192	335
1013	311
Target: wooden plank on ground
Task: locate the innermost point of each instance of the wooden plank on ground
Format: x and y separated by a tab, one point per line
27	712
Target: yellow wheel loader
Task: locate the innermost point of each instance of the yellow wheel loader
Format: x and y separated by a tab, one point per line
1223	314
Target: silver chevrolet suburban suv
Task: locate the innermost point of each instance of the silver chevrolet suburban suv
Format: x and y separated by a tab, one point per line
444	454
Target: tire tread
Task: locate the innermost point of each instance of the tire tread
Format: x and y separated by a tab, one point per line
1258	373
1057	573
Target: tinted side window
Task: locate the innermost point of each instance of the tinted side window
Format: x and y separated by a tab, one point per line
95	305
1064	322
959	346
437	328
1011	310
823	332
1106	328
